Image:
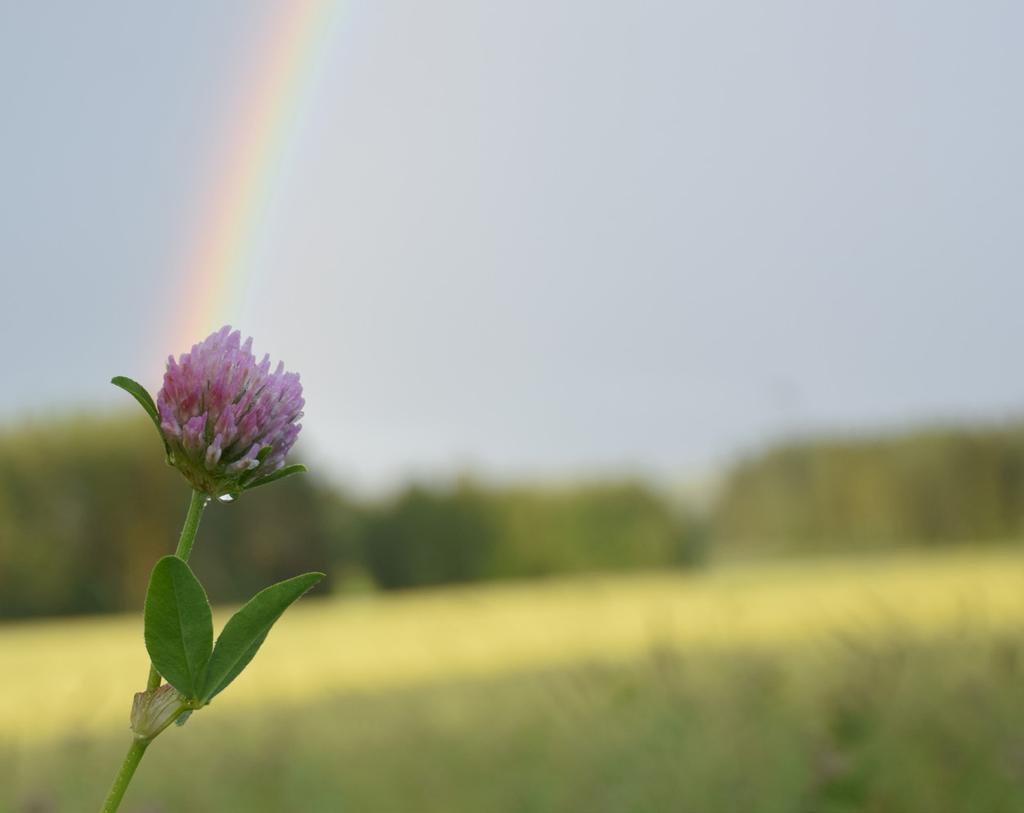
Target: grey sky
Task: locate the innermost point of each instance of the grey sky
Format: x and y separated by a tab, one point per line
544	237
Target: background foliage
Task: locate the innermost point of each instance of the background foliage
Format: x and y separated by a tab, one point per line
87	506
842	683
926	487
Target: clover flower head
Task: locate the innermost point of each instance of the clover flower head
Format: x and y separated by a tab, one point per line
228	422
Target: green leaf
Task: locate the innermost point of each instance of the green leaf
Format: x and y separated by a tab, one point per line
178	625
137	391
280	474
247	629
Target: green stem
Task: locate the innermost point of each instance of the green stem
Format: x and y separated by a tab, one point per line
188	531
124	776
185	542
131	761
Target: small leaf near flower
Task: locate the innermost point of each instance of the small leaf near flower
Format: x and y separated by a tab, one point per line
137	391
141	394
178	625
280	474
246	630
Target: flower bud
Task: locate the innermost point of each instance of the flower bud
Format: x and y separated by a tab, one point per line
153	711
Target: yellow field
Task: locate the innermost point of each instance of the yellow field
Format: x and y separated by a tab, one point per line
79	675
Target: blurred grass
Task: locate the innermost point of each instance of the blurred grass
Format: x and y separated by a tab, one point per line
882	683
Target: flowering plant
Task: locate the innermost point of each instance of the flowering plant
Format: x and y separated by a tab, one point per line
226	424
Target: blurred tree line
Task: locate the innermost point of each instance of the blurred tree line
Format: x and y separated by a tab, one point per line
87	506
926	487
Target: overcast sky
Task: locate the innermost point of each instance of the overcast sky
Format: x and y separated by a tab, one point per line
537	237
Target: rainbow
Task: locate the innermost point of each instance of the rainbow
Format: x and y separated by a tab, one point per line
219	254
